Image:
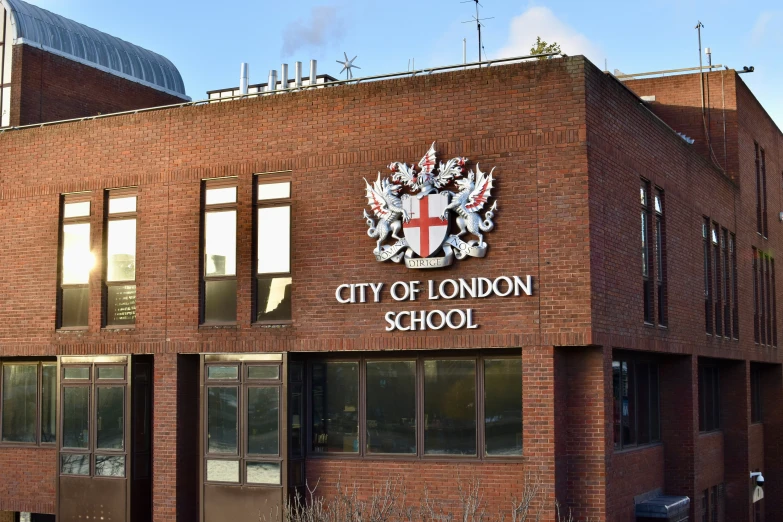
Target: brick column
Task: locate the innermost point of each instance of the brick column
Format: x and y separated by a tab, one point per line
771	401
538	415
164	443
735	420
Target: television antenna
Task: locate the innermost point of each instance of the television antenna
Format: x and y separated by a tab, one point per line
348	65
478	21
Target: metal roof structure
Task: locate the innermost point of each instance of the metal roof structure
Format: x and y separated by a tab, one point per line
53	33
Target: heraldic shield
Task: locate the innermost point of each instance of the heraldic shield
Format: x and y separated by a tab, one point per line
425	231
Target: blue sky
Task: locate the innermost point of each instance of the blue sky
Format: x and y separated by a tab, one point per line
208	40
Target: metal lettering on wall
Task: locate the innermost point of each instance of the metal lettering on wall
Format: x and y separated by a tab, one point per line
420	320
420	221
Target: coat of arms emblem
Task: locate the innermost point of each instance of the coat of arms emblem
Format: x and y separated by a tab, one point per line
415	209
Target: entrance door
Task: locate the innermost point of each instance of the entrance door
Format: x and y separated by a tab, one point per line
96	464
243	442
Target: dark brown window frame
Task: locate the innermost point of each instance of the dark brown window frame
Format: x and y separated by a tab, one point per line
110	194
77	197
735	287
419	358
209	184
648	268
717	273
756	402
633	360
711	366
764	207
759	190
268	178
662	285
721	313
764	299
40	363
706	232
243	383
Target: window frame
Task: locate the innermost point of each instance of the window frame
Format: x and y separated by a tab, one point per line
268	178
110	194
648	253
40	363
706	233
206	185
756	395
661	278
706	365
633	360
419	358
65	199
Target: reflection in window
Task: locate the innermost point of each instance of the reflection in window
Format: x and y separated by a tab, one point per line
263	421
111	372
74	464
69	372
219	254
76	262
121	250
263	372
263	473
222	420
268	191
121	304
222	470
20	390
450	407
503	406
274	240
48	403
220	301
76	417
221	243
391	407
77	258
274	299
335	416
121	261
223	372
110	417
109	465
273	250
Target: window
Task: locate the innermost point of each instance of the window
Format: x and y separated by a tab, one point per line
243	417
720	280
219	271
716	270
764	299
273	247
761	191
636	401
764	228
417	406
725	285
708	313
120	293
756	411
76	262
647	283
712	504
660	253
709	396
28	395
734	291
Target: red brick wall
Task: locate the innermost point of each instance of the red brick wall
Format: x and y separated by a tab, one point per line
48	87
28	479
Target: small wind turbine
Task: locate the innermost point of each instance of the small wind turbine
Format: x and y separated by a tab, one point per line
348	65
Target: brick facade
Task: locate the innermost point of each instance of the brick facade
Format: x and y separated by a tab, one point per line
569	145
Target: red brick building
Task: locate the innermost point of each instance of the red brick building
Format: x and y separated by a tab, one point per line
195	322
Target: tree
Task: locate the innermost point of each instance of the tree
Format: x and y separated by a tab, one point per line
541	47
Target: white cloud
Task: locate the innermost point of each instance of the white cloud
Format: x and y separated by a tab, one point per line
541	21
763	22
324	27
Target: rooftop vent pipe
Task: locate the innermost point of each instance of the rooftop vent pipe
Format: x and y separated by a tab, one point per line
298	74
243	78
284	76
272	85
313	71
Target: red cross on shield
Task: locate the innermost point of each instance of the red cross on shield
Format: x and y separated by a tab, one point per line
426	231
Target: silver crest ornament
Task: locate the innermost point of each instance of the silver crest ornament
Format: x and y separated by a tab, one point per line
419	222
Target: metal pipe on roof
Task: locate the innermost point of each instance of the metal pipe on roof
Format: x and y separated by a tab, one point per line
284	76
313	72
243	78
298	74
272	85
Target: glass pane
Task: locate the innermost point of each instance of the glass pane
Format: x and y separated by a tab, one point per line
20	391
80	209
76	373
220	234
616	380
450	407
391	407
263	473
218	196
77	258
121	250
74	464
49	403
296	407
121	305
274	299
263	372
643	402
263	421
223	470
274	190
109	465
220	301
503	406
274	240
111	417
76	417
75	307
627	404
335	407
222	420
121	205
223	372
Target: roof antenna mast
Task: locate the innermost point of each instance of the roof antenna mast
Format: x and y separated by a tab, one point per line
478	22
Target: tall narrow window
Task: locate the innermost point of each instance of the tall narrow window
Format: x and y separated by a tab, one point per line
774	314
220	252
759	189
725	287
756	299
708	315
756	413
762	298
647	288
716	260
765	229
768	294
28	398
709	396
273	246
76	261
660	253
120	297
636	401
734	295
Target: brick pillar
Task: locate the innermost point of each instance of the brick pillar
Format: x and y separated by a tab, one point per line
164	444
771	401
735	420
538	436
581	428
679	386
